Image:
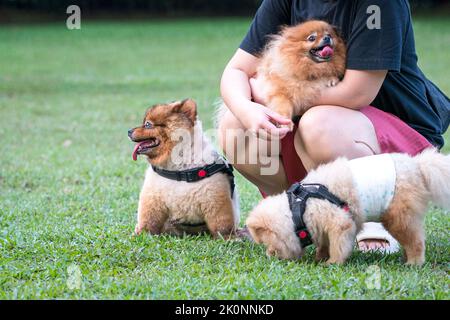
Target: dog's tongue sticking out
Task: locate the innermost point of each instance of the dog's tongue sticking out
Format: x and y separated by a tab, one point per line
135	151
144	146
327	52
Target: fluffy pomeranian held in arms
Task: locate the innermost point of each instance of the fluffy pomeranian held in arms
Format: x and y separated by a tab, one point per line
330	205
189	188
297	63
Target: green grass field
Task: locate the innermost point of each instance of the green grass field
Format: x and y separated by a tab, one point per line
69	189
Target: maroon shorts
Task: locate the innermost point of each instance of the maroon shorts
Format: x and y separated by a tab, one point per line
394	136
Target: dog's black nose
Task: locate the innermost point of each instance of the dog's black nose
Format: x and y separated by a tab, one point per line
326	39
130	132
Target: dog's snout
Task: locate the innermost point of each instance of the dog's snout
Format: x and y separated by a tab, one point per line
327	39
130	133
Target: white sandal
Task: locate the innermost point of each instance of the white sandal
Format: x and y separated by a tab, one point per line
376	231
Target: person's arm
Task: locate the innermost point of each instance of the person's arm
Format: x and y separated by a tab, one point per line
371	54
235	86
237	95
358	89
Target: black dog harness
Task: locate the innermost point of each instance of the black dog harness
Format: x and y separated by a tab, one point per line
200	173
298	194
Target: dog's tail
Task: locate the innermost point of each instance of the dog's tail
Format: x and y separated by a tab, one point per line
435	169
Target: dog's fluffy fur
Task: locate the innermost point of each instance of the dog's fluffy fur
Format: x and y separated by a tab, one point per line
291	75
420	179
168	206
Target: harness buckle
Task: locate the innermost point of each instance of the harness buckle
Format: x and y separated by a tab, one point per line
191	177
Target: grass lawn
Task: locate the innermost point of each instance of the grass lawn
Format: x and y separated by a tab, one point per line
69	189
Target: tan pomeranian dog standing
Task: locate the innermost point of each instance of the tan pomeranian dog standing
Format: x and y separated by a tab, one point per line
297	63
330	205
188	188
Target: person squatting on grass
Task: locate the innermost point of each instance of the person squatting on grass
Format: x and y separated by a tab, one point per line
384	104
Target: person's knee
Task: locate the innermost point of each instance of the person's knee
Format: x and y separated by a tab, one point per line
229	133
226	124
319	133
317	127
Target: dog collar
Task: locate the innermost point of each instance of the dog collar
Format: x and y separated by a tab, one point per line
298	194
200	173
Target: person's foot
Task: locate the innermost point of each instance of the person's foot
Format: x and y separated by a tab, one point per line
374	237
244	234
372	245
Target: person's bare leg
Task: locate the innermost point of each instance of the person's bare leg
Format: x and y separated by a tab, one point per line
231	128
328	132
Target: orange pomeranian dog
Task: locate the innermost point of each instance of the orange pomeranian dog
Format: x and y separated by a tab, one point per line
188	188
297	63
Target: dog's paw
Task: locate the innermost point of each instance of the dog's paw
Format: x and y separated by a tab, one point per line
415	262
288	126
321	256
331	262
332	82
270	252
137	230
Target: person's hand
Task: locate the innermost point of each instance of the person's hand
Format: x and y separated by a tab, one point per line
263	122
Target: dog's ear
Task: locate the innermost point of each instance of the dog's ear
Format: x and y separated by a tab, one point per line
257	228
337	32
188	107
257	234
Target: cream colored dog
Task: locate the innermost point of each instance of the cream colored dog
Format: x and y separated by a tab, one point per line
394	189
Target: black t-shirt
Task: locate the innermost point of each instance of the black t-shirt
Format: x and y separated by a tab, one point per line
406	92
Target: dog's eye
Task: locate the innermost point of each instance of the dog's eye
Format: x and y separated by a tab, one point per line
312	38
148	125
